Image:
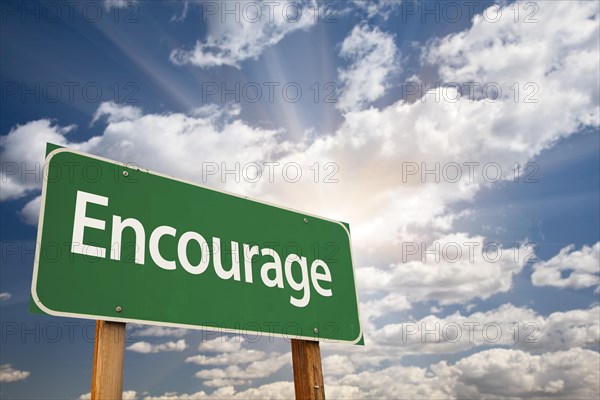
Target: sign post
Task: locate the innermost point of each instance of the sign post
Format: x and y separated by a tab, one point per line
109	349
308	371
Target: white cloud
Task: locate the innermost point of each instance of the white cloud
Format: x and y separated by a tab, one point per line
500	373
9	374
563	330
270	391
255	370
158	331
31	212
130	136
374	8
145	347
129	395
223	344
505	326
224	382
108	4
337	365
454	269
388	382
583	267
373	58
546	53
241	356
4	296
116	113
492	374
22	154
395	336
260	25
392	302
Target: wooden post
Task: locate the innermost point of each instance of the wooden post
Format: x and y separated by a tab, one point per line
109	349
308	373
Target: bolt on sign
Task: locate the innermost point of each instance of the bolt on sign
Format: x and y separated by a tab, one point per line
124	244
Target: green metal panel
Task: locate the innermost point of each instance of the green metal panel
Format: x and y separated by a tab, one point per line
87	286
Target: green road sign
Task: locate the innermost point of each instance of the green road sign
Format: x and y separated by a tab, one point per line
124	244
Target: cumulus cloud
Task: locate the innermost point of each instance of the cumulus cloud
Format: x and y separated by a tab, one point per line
224	382
22	154
270	391
498	373
31	212
116	113
337	365
158	331
562	330
476	139
4	296
396	335
9	374
388	382
108	4
257	369
377	8
391	302
145	347
454	269
582	268
130	137
545	54
222	344
254	370
242	356
259	25
507	325
373	58
494	373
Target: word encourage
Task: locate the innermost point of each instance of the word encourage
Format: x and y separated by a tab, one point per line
271	273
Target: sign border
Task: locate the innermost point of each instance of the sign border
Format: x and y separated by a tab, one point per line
167	324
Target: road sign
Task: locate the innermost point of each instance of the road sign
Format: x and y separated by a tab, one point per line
124	244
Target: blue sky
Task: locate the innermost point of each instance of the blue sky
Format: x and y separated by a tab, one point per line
173	86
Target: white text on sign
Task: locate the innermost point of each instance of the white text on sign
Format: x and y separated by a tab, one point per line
271	273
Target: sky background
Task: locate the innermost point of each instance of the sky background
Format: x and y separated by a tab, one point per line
505	93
